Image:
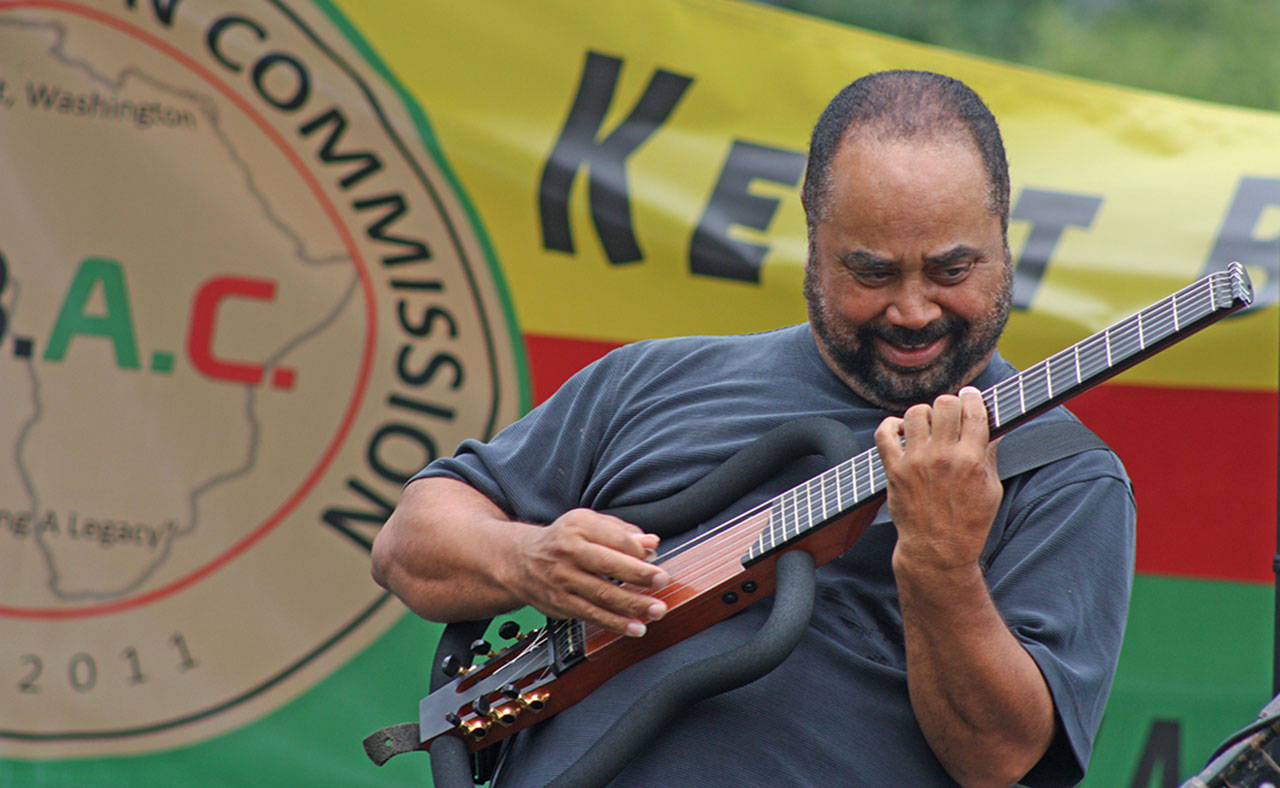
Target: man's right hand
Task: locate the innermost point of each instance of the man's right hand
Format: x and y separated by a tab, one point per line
450	554
567	570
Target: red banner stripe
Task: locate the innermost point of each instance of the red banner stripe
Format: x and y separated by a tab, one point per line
1203	463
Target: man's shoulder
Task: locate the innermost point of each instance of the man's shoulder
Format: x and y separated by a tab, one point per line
737	349
1058	424
684	344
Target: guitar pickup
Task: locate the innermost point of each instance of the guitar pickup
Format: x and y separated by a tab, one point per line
568	643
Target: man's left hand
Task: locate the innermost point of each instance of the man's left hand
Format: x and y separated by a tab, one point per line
943	485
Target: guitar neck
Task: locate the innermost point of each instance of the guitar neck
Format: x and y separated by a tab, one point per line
532	680
810	505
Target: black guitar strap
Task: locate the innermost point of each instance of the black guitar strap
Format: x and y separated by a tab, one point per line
1022	449
1032	445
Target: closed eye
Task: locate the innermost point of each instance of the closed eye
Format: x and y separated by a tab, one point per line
872	277
951	274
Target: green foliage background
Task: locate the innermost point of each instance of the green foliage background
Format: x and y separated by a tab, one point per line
1217	50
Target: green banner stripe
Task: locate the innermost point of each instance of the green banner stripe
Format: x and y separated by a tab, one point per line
1196	666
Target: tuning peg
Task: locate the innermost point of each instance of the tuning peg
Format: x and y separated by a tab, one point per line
480	647
510	691
509	630
450	665
481	705
506	714
534	701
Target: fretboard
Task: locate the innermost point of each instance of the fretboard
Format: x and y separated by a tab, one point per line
796	512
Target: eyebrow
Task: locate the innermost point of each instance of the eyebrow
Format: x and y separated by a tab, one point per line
954	255
861	258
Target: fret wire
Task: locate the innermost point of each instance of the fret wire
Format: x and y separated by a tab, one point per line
787	509
772	531
822	497
822	488
804	513
789	517
775	516
1152	324
839	503
789	514
782	521
807	517
809	496
790	522
808	506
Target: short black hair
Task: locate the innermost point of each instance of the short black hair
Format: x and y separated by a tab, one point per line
901	104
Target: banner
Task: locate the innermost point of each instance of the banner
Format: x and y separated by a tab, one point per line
260	261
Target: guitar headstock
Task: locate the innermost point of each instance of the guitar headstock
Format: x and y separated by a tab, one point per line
488	699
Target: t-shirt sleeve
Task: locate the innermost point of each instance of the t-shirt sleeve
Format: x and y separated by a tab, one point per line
1061	577
538	467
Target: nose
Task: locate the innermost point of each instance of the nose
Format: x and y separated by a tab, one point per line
913	305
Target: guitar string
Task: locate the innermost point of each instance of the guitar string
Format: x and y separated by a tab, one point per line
1124	331
1120	332
1156	320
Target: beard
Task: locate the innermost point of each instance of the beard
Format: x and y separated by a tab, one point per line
852	349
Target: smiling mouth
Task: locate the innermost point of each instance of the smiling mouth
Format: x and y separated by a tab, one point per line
910	357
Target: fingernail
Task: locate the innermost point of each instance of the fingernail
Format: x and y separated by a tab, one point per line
659	580
636	629
656	611
969	388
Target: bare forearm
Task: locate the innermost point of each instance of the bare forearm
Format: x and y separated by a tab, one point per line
440	552
451	554
980	699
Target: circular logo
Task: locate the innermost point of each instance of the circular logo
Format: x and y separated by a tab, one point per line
240	302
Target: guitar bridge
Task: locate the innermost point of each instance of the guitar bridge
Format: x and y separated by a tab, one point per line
568	643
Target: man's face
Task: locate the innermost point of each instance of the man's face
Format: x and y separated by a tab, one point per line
908	281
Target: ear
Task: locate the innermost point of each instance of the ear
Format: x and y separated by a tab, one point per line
812	247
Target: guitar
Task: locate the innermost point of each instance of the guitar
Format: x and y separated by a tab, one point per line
718	573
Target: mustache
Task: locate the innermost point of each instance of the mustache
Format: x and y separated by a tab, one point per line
951	325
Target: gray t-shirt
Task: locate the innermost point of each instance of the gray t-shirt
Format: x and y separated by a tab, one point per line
651	418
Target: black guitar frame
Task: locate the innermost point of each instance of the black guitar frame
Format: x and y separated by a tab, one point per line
793	605
452	766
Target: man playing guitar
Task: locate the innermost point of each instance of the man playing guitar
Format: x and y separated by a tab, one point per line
971	640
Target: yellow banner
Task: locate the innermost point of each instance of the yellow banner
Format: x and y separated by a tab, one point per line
1119	196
